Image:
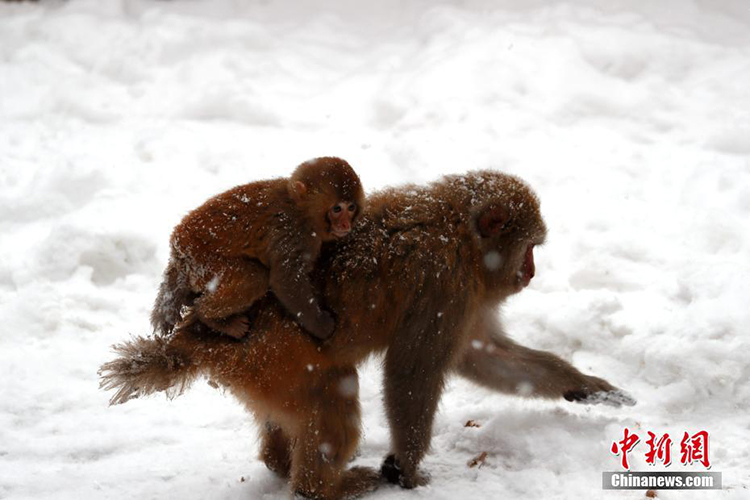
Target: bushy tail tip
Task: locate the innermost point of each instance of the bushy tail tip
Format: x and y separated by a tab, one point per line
145	366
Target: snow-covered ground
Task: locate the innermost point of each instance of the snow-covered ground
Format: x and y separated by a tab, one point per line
631	118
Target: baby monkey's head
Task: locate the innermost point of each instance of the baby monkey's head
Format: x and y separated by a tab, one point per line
329	192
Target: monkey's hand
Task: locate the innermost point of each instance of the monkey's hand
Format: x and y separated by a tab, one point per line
594	391
320	326
237	326
394	473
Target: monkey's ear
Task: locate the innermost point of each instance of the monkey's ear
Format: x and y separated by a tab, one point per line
298	190
493	220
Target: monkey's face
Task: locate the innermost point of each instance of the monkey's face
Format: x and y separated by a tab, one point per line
340	218
509	230
329	193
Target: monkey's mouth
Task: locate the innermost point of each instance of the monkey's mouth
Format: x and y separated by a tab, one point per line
528	270
340	233
524	280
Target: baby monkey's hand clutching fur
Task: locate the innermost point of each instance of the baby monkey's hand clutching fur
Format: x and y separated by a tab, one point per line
257	237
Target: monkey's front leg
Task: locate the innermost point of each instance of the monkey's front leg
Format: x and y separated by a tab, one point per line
495	361
414	378
290	282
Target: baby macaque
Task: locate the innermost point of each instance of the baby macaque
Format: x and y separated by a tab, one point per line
231	250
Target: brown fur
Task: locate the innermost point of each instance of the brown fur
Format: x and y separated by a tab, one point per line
228	252
415	282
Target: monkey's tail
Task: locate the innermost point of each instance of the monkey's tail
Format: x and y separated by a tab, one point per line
146	365
174	292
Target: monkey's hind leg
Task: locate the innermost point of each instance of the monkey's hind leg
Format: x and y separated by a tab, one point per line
174	293
276	449
329	439
231	286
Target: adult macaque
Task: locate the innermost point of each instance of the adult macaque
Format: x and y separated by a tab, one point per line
228	252
418	280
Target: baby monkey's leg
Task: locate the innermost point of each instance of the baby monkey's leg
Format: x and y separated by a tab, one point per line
230	287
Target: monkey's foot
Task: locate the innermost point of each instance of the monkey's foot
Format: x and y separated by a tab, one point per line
615	398
358	481
321	327
594	391
392	471
354	482
189	317
236	326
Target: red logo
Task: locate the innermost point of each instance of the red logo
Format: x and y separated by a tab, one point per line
693	448
623	447
660	449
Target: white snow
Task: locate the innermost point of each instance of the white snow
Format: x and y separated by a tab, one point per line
631	119
212	285
492	260
349	386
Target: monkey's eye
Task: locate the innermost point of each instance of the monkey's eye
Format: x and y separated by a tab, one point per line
352	207
336	209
